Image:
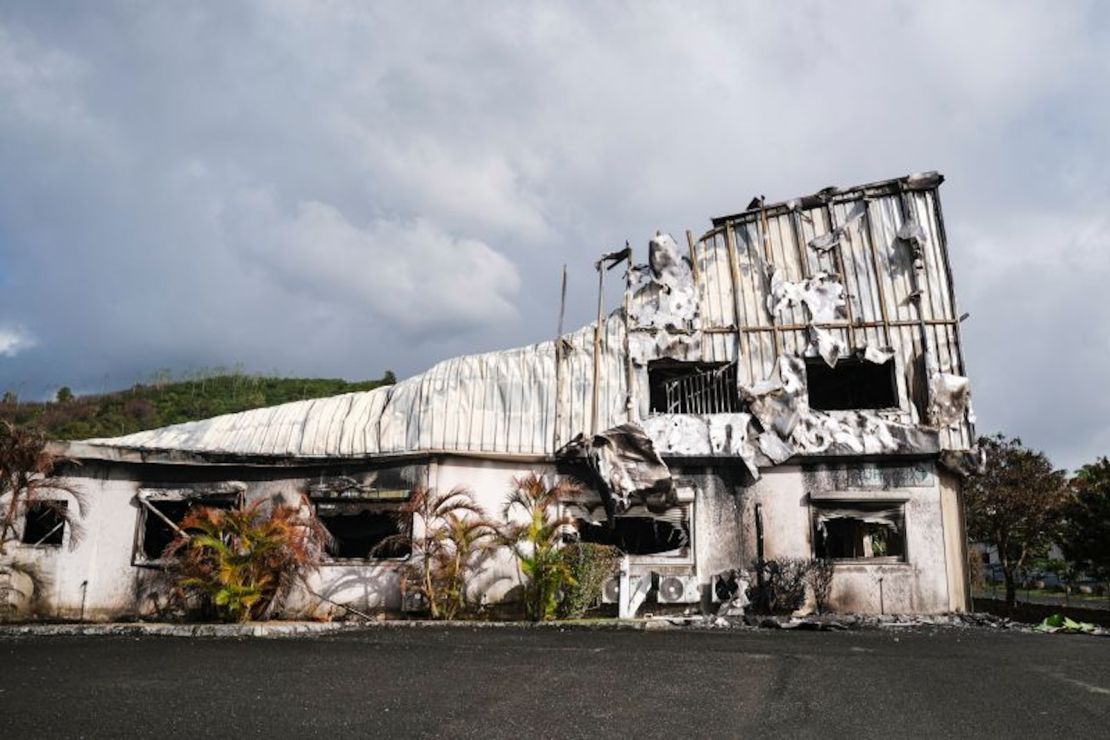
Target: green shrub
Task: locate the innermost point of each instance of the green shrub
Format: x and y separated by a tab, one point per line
780	585
820	577
591	565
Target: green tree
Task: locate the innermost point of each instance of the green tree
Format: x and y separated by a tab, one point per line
65	395
1085	533
1015	504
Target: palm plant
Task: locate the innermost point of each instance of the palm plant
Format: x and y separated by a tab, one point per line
452	535
26	478
243	562
535	535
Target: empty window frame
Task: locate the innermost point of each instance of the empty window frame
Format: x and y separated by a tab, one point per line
638	535
159	510
693	387
852	384
45	523
869	531
365	530
643	535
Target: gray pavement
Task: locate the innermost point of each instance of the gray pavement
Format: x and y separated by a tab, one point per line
519	682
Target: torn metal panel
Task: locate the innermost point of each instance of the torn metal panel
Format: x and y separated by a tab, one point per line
822	296
826	345
860	432
663	306
911	232
647	345
949	398
713	435
781	406
879	356
830	239
626	467
664	293
775	447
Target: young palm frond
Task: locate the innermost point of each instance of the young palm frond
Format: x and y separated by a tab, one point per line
449	532
535	533
243	562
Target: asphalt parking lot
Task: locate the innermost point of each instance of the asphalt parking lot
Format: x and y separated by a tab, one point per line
511	682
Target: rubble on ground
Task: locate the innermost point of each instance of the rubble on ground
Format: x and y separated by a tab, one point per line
726	618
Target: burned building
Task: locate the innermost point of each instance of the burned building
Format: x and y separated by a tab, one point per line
790	384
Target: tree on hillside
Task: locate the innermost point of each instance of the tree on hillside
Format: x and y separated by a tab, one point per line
1015	505
1085	533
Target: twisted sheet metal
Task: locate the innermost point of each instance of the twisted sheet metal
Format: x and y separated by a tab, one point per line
505	402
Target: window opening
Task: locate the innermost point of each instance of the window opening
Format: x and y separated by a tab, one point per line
45	523
852	384
637	535
852	531
358	530
693	387
157	533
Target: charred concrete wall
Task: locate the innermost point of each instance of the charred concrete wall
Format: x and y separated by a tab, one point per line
102	576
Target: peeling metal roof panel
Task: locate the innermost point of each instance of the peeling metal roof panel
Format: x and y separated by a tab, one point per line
500	402
897	297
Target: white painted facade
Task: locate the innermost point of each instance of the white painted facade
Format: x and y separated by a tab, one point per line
101	577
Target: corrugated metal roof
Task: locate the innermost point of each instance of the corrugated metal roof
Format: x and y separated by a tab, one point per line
505	402
499	402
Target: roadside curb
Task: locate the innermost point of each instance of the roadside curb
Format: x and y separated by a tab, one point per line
307	629
279	629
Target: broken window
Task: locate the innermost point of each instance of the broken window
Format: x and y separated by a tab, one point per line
638	532
358	530
45	523
160	516
863	530
693	387
637	535
851	384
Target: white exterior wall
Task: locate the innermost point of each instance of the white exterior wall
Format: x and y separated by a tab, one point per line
920	585
97	579
92	576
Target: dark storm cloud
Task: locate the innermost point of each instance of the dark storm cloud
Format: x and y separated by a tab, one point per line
337	188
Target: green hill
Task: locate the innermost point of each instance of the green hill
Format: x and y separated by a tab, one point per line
162	403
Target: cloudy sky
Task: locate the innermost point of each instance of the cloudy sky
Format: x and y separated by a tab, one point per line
333	189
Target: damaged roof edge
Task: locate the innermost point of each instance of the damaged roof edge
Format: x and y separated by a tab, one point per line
85	451
909	183
82	451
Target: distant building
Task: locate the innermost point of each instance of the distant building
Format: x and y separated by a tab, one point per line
788	385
